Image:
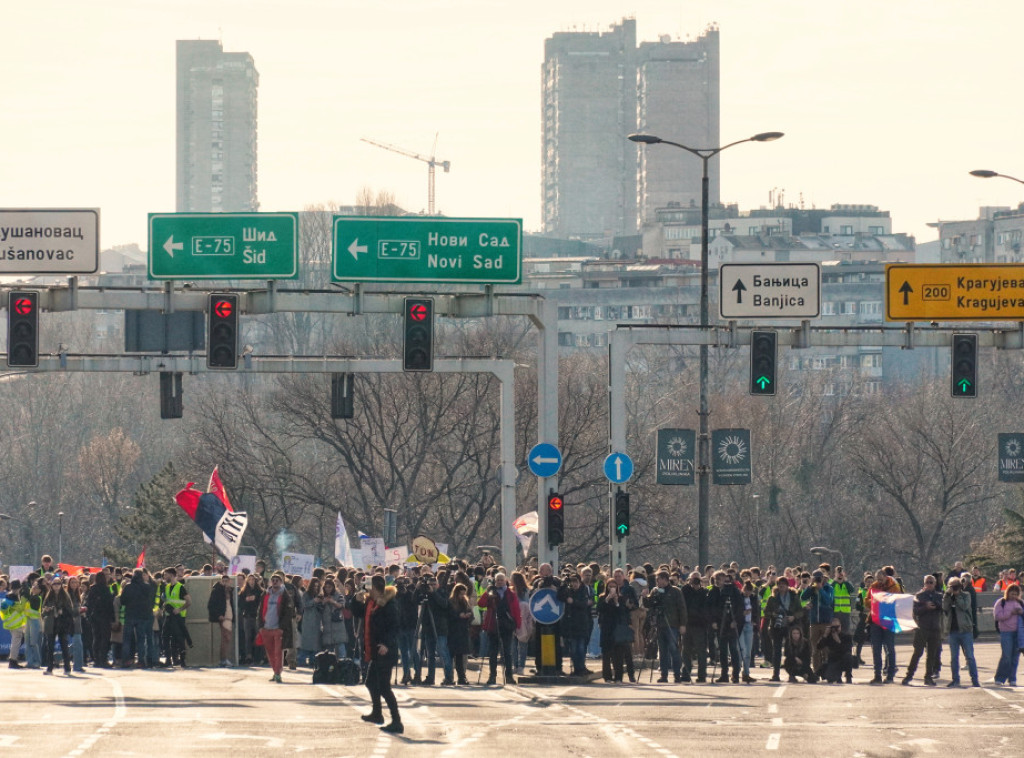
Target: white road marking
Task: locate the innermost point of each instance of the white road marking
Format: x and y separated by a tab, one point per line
773	742
997	696
777	722
120	711
8	740
779	691
773	707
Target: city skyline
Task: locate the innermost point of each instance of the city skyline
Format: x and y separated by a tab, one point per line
889	104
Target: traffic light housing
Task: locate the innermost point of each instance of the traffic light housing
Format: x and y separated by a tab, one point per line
763	360
23	329
964	365
556	519
418	348
621	514
342	400
222	338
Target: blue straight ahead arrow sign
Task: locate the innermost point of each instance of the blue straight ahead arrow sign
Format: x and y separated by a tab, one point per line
618	468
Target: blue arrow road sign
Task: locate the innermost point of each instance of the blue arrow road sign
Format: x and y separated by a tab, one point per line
545	459
618	467
545	606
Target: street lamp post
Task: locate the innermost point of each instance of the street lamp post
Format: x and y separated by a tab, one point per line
704	437
60	537
982	173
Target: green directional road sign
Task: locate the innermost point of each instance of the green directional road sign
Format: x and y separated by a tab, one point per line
223	245
427	249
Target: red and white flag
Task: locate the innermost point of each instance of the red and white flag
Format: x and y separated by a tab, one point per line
141	562
216	486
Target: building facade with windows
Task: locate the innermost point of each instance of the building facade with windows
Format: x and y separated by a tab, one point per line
597	88
216	129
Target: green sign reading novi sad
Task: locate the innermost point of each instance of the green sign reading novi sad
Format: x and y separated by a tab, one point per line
427	249
223	245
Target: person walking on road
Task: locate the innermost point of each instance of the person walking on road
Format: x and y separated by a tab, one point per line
1008	612
928	635
275	617
380	649
956	604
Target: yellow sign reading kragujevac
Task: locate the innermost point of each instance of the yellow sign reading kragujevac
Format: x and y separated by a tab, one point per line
954	292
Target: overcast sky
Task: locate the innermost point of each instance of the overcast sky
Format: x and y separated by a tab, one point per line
887	102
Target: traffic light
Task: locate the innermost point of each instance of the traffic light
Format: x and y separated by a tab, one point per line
342	401
418	351
222	339
556	520
621	514
762	363
23	329
964	359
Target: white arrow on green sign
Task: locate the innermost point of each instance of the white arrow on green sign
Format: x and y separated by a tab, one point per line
223	245
427	249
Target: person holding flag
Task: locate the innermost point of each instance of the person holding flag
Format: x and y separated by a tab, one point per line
882	637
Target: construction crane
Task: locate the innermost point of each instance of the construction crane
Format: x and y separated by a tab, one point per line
431	162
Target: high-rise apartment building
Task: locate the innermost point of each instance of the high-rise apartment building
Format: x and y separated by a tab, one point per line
597	89
216	118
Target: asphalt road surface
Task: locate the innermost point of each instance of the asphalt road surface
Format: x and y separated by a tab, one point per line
201	712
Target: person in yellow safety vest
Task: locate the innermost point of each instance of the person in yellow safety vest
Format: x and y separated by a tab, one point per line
12	614
843	593
176	605
764	592
480	587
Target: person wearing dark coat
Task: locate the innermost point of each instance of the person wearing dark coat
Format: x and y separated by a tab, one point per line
99	605
58	623
460	616
838	654
380	628
137	600
798	656
698	619
667	613
726	622
782	611
220	612
578	600
613	617
409	615
432	597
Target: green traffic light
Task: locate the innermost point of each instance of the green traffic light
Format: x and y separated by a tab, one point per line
764	381
622	528
964	385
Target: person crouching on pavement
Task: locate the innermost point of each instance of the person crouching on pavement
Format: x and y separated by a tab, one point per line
380	649
837	649
798	656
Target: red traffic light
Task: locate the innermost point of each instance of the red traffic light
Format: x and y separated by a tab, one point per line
418	312
23	306
555	503
222	308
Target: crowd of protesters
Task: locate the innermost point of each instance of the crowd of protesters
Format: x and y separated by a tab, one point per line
700	625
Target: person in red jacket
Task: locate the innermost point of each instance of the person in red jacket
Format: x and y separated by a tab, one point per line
500	622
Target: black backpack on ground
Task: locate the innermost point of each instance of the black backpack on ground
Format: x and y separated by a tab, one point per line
325	668
348	672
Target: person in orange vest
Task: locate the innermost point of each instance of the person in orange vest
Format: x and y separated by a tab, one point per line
980	582
1007	578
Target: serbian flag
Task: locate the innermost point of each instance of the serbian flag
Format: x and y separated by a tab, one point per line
216	486
221	526
141	562
893	611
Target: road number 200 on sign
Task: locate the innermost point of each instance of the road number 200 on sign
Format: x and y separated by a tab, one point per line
935	292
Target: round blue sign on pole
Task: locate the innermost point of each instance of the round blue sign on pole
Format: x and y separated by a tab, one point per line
544	459
618	467
545	606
